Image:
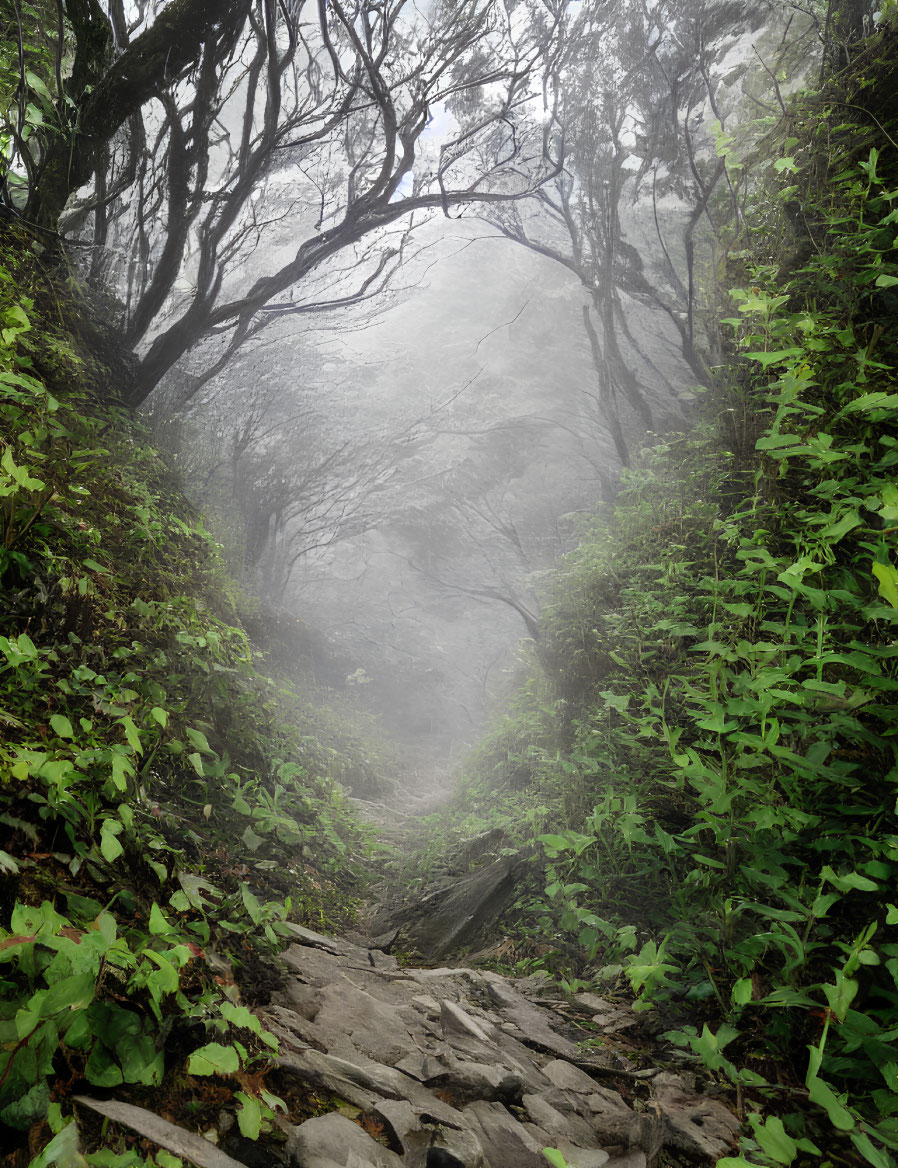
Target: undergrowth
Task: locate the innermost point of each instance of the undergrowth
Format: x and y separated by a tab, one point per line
138	742
707	751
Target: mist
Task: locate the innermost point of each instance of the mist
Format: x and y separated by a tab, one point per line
401	463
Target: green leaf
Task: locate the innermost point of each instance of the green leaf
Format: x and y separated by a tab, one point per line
61	725
64	1150
158	924
773	1138
101	1069
742	991
8	864
132	734
159	715
872	401
558	843
214	1059
121	768
250	838
198	738
887	578
109	845
776	358
841	995
240	1016
873	1155
824	1096
251	904
886	281
847	881
249	1117
555	1158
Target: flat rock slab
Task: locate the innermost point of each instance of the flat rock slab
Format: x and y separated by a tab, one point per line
159	1131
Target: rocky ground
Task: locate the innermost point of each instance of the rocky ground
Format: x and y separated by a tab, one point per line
446	1066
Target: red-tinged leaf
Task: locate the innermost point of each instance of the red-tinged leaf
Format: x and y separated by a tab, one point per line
18	940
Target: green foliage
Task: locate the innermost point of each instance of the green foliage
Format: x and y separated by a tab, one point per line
714	731
137	743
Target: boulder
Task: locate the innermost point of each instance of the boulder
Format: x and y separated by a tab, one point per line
451	915
506	1143
693	1123
558	1126
332	1139
422	1140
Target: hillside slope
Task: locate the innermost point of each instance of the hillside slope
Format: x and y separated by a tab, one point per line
705	752
166	810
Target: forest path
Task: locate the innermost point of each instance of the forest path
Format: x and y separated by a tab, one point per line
453	1067
448	1066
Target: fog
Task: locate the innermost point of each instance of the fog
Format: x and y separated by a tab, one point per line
405	444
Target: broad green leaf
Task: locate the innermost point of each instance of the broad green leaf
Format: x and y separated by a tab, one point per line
847	881
249	1117
557	843
109	845
555	1158
250	838
240	1016
120	768
70	993
132	734
101	1068
158	924
841	995
159	715
872	401
776	357
61	725
887	578
165	979
773	1138
742	991
214	1059
198	738
777	441
64	1150
251	904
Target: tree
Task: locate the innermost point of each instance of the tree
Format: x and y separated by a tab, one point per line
629	120
172	124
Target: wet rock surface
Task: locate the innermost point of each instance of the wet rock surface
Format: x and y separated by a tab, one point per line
454	1067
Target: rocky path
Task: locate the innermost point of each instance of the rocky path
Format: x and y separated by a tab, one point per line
448	1066
455	1067
463	1068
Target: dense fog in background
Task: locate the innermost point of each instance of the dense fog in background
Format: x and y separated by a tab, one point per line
402	467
